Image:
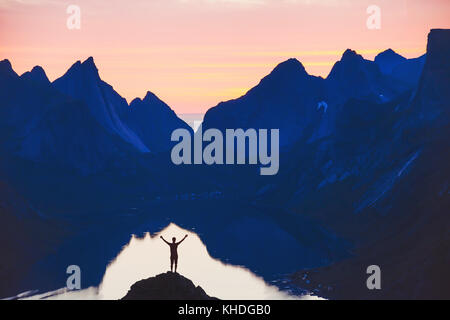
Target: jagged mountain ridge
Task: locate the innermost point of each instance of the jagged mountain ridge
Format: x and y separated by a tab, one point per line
157	137
352	175
79	121
412	216
41	124
297	103
407	71
82	82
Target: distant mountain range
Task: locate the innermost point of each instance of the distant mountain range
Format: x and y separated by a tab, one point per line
79	121
111	127
289	98
363	177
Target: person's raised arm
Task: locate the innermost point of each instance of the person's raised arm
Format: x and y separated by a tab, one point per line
164	239
182	239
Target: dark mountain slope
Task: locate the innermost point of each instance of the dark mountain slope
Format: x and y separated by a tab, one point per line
410	237
153	121
37	74
388	60
287	99
82	82
406	71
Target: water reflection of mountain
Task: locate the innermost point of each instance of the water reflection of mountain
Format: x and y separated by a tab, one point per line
244	236
148	257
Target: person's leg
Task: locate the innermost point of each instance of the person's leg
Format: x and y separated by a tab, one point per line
171	264
176	263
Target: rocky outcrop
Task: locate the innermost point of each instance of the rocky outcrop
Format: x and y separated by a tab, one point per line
166	286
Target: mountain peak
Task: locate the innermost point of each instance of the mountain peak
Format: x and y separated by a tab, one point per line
38	70
37	74
289	70
89	62
5	64
88	65
150	96
348	66
6	68
388	59
350	55
84	68
438	48
290	65
292	62
389	53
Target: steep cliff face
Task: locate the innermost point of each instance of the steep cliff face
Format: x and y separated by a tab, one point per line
153	121
411	242
22	104
79	122
433	93
82	82
146	124
41	124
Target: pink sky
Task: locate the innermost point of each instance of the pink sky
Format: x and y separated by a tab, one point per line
196	53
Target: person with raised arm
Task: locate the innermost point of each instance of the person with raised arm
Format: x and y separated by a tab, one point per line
173	251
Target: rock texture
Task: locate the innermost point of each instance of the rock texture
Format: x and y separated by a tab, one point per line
166	286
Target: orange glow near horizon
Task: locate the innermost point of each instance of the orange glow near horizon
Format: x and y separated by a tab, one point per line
195	53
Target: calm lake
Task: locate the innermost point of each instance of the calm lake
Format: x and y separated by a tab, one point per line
149	256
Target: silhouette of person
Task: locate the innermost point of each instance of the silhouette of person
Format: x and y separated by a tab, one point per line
173	251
